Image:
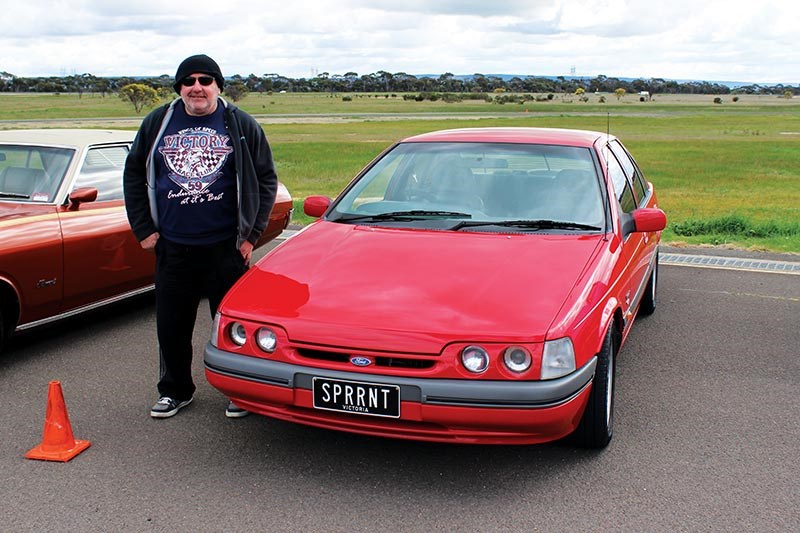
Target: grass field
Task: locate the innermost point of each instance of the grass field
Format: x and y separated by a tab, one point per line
726	174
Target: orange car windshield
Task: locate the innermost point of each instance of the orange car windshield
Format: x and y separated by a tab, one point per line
32	173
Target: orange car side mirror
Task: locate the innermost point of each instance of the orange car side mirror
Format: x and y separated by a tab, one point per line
80	196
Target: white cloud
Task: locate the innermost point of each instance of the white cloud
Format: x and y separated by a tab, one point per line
682	39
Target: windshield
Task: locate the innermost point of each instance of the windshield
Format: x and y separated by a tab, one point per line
32	173
478	187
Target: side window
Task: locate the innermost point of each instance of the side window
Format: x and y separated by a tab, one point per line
629	167
621	186
102	169
640	187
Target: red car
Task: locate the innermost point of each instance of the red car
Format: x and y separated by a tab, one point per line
65	242
469	286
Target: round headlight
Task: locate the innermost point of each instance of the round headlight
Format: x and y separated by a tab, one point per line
266	339
517	359
238	333
475	359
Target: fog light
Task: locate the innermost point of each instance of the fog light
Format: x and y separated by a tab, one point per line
517	359
238	333
475	359
266	339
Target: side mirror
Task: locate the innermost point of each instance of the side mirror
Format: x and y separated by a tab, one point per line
649	219
81	195
316	205
644	220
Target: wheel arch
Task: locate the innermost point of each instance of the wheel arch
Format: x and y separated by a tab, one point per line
612	317
9	306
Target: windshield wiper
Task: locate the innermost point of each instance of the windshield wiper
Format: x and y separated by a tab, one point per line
532	224
414	214
14	195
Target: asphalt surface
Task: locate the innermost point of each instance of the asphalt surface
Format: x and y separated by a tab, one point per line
707	437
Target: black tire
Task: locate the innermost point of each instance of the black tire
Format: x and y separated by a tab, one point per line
597	425
648	305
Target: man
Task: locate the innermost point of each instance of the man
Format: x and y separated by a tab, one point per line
199	185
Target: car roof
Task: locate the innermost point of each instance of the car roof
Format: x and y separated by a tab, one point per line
78	138
565	137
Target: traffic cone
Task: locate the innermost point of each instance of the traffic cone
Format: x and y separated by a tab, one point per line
58	443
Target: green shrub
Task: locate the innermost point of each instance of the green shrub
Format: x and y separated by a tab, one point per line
734	226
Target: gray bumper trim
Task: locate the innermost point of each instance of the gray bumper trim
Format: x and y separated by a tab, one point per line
464	392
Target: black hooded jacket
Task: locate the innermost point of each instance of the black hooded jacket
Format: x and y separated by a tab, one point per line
256	179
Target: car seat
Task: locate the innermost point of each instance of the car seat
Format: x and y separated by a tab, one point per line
22	180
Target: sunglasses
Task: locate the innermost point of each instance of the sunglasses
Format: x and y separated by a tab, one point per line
205	81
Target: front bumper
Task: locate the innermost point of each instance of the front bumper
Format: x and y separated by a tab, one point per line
445	410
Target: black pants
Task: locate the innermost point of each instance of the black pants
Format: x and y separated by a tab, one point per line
184	275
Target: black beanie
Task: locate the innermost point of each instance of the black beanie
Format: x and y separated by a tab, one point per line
199	63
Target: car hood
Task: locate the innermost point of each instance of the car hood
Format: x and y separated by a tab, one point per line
400	289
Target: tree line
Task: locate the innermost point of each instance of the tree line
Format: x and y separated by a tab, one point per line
399	82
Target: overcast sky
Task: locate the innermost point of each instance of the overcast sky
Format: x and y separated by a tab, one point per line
710	40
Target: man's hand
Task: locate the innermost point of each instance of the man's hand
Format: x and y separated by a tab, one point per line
247	251
149	242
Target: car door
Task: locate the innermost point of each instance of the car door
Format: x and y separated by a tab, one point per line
631	242
102	258
638	248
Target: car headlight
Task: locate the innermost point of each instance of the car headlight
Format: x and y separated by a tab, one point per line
266	339
215	331
238	333
517	359
475	359
558	358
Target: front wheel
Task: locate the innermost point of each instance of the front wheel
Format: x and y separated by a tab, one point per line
597	425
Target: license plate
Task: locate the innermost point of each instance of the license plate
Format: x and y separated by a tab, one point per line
355	397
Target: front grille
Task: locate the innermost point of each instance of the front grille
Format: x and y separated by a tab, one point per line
416	363
399	362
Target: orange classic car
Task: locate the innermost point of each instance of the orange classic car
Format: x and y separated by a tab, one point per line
65	243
